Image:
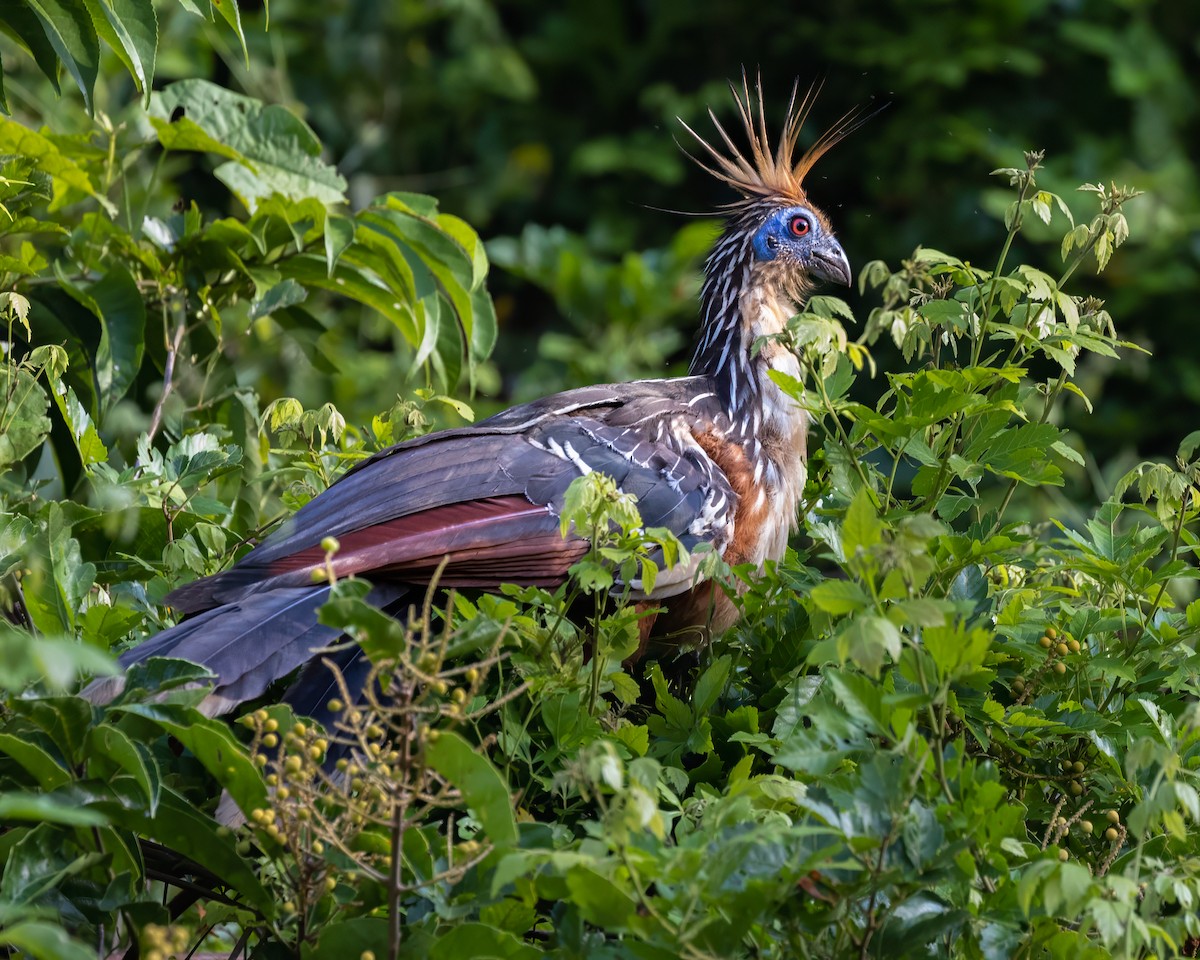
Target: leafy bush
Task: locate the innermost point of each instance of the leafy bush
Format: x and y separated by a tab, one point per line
935	729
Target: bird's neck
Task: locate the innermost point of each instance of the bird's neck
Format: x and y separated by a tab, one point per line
741	302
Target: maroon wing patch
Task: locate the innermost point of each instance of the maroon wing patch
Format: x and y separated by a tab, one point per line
485	542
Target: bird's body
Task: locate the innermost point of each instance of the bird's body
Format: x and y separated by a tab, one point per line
717	457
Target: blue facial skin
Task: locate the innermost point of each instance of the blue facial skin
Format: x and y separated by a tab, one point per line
793	234
775	238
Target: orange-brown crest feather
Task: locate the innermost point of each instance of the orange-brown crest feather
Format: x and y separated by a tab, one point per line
763	171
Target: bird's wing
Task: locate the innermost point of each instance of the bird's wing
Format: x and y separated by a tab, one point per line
487	499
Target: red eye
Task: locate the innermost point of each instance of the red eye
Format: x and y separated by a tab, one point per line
800	226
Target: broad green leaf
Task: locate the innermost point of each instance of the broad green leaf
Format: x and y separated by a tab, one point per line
44	941
40	860
600	900
183	133
279	153
866	641
24	424
861	529
60	579
46	808
120	308
179	826
130	27
471	939
839	596
482	786
711	684
47	771
213	744
26	26
135	759
72	34
349	938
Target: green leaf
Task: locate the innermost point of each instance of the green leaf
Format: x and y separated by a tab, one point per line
278	152
711	684
119	306
68	177
601	901
134	758
183	133
213	744
867	640
479	940
179	826
130	27
229	12
83	431
72	34
40	860
44	941
46	808
483	788
24	424
861	529
348	938
839	596
59	578
286	293
47	771
339	235
26	26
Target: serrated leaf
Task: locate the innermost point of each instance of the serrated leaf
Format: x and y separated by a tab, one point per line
130	27
72	34
861	529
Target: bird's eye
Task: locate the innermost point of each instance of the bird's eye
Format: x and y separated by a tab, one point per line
800	226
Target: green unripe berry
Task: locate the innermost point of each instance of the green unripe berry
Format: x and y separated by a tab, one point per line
1076	788
1073	646
1086	826
1113	816
1062	649
1060	668
1111	834
330	544
1045	643
1051	632
1063	854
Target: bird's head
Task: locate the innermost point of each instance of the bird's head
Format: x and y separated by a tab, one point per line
788	238
797	237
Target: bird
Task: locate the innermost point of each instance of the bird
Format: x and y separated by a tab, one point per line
718	457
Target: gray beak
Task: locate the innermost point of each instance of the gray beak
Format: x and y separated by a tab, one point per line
829	262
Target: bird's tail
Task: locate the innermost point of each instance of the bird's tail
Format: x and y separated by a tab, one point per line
250	645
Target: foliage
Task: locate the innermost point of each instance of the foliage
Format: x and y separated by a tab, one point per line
937	728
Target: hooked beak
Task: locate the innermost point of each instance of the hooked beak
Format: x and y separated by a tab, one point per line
829	261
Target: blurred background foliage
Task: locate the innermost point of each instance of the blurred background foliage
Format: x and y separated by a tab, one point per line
551	130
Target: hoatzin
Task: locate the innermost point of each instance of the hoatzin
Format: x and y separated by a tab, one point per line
718	457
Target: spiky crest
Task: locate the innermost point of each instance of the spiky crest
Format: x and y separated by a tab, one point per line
763	172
